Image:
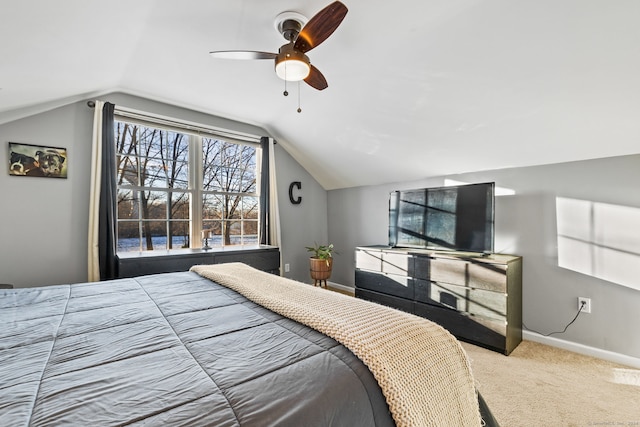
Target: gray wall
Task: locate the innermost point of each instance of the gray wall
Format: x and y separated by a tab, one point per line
44	222
526	226
302	224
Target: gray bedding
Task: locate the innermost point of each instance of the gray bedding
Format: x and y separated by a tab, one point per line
172	349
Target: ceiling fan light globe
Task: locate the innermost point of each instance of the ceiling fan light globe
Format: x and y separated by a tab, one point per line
293	70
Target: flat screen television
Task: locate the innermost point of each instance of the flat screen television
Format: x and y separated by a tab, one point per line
459	218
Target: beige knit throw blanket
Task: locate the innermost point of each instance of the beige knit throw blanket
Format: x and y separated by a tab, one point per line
422	370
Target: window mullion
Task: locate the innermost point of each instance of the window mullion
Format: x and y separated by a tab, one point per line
195	186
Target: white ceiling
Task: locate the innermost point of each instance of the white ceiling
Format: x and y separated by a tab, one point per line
417	88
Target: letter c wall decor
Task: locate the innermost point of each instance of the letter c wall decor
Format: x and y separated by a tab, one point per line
295	200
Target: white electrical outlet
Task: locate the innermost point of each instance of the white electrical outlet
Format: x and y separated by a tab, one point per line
287	268
587	304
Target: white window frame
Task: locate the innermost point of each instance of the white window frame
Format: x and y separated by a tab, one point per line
195	132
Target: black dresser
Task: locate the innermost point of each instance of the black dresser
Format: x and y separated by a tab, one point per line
478	298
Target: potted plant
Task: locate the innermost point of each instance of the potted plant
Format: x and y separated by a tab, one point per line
320	263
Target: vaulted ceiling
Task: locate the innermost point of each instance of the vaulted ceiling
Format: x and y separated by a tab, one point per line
417	88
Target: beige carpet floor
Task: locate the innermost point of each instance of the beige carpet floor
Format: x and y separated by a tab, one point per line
539	385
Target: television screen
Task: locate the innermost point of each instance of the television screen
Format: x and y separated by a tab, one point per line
455	218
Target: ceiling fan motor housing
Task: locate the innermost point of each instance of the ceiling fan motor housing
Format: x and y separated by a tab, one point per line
289	24
291	64
290	29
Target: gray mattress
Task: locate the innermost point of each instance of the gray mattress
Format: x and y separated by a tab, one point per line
172	349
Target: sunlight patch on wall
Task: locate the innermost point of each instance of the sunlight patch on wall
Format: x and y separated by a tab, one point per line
499	191
600	240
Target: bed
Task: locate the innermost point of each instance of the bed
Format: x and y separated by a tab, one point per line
224	345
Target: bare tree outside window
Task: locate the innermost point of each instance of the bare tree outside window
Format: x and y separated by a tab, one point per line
155	196
230	204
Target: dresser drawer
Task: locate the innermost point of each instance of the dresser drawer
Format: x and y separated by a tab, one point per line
369	259
484	332
390	284
479	275
478	302
497	326
400	264
421	267
388	300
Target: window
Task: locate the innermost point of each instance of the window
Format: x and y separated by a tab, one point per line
176	188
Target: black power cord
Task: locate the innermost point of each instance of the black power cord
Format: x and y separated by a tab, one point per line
565	328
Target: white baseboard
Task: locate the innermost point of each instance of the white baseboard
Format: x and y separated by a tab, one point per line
583	349
341	287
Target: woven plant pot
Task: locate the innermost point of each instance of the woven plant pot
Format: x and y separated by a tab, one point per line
320	269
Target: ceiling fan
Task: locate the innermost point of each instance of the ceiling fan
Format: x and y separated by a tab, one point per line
291	61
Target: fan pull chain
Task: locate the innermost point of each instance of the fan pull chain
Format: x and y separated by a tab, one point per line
285	93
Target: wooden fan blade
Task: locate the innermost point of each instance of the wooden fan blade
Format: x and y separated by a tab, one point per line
316	80
321	26
242	54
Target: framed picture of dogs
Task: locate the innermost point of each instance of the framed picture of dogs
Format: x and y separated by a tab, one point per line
37	160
